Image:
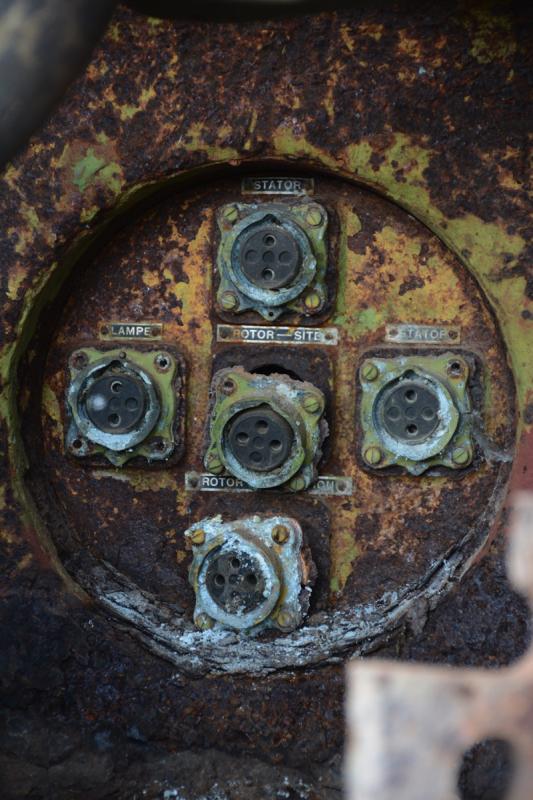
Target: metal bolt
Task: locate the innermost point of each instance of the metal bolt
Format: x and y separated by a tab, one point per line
313	216
297	484
197	537
311	403
280	534
79	360
373	455
285	619
229	301
230	214
214	464
369	371
204	622
462	456
456	368
162	362
228	386
312	301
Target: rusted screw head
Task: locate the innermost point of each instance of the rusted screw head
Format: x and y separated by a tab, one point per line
203	622
230	214
297	484
162	362
373	455
313	216
280	534
311	403
79	360
312	301
228	386
197	536
214	464
456	368
369	371
229	301
462	456
285	619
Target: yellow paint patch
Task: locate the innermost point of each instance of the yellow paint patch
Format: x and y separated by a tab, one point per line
51	405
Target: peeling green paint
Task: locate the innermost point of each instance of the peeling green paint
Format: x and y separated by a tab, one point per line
92	168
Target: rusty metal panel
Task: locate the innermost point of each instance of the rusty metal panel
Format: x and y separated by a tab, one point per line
110	226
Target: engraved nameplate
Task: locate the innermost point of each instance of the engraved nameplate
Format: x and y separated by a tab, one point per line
423	334
274	185
206	482
265	334
131	330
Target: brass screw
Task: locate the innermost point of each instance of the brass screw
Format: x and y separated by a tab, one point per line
297	484
285	619
203	622
197	536
231	214
369	371
312	301
462	456
313	216
229	301
311	403
280	534
214	464
373	455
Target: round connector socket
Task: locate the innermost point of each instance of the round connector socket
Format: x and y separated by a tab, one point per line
269	256
414	416
116	403
238	583
259	438
410	411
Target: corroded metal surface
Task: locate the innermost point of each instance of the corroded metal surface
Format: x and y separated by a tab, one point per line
410	725
395	542
381	100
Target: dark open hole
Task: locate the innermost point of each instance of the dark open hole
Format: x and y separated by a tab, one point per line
276	369
486	771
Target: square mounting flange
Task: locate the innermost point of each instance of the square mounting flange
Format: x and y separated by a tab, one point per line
272	258
125	403
415	412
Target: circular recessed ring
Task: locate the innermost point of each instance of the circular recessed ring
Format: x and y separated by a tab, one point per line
242	234
238	584
415	416
85	387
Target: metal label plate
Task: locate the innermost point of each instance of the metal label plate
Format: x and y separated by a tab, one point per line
131	330
331	485
266	334
275	185
423	334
